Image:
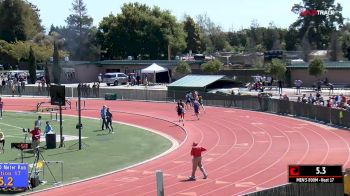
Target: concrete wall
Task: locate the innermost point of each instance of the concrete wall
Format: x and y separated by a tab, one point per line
333	75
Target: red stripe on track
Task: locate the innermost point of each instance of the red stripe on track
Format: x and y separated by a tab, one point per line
246	150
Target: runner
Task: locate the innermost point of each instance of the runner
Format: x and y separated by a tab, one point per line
200	101
188	100
196	108
180	112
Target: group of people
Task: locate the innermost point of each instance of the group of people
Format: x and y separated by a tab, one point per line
106	117
193	99
36	132
336	101
88	91
15	83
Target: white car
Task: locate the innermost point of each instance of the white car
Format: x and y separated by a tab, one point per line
115	78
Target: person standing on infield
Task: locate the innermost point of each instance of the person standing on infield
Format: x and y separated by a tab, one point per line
196	152
1	107
109	117
37	123
103	117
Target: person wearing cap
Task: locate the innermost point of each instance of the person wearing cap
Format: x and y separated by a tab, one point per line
196	152
104	117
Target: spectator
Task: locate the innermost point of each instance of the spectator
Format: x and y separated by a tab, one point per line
280	86
37	123
196	152
298	84
304	99
331	88
104	117
48	128
35	138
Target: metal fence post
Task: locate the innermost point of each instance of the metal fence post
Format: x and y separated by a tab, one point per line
160	187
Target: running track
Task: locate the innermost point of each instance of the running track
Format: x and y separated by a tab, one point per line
247	151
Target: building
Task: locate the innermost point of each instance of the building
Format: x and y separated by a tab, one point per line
336	73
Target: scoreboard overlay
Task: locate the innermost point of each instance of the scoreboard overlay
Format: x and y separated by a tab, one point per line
315	173
13	175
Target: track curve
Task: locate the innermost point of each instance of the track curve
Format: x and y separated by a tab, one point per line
247	151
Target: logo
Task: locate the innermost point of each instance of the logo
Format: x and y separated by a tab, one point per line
313	12
294	170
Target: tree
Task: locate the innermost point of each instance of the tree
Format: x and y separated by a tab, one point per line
345	40
183	68
57	70
32	66
214	39
335	47
316	67
141	31
47	75
306	48
292	39
193	38
277	68
271	38
79	34
317	20
19	20
212	66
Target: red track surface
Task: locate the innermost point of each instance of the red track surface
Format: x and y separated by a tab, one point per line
247	151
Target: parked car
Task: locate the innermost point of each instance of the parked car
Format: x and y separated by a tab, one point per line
115	78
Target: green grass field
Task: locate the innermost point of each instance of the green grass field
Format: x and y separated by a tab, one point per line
104	152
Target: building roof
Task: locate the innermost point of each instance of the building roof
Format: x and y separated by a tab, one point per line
328	65
195	82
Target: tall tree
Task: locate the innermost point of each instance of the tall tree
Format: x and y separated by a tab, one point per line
79	34
56	69
193	38
292	39
20	20
318	19
214	39
271	38
141	31
32	66
345	40
306	48
335	47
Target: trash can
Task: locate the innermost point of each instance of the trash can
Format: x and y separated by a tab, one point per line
50	140
111	96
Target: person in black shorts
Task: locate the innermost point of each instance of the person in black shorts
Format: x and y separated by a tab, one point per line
196	108
109	117
180	112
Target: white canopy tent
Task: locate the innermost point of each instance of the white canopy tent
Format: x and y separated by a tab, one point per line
154	68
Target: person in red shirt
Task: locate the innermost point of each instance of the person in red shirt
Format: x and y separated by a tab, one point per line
196	152
35	137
